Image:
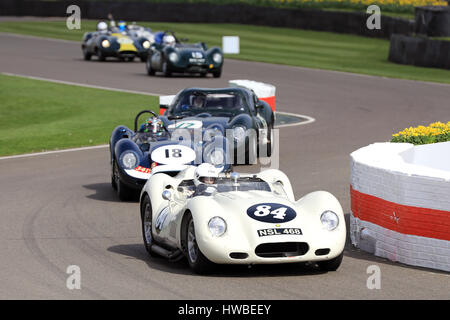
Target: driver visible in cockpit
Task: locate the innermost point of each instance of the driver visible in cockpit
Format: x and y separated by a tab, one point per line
152	129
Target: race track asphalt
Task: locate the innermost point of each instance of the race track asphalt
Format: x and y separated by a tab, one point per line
59	209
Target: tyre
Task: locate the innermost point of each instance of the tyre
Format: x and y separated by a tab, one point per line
86	55
149	68
113	177
217	74
147	223
331	265
197	261
100	55
165	71
124	192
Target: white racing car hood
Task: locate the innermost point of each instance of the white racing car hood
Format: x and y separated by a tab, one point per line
252	209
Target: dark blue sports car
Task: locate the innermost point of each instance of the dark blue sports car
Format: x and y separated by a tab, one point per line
237	113
156	144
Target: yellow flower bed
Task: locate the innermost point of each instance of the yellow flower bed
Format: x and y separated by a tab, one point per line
435	132
415	3
405	6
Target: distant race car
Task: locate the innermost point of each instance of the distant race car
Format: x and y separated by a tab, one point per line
169	55
230	218
137	154
113	42
250	119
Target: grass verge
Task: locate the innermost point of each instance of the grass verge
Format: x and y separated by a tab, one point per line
40	116
303	48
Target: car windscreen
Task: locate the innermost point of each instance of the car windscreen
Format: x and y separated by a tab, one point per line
227	104
242	184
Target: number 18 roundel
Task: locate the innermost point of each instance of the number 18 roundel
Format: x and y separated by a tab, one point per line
173	154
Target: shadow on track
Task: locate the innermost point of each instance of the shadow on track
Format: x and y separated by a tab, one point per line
104	192
137	251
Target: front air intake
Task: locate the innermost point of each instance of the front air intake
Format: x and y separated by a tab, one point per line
281	249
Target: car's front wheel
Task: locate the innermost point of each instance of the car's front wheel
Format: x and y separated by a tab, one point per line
148	66
332	264
124	192
86	55
147	223
217	74
197	260
165	70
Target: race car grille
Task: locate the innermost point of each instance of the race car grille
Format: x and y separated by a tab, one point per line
281	249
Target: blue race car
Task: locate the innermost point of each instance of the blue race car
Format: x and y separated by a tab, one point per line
157	145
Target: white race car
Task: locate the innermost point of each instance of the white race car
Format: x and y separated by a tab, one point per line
239	219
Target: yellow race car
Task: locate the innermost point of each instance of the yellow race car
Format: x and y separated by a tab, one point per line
115	42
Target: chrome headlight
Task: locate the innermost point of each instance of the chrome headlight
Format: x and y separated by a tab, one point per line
173	57
217	57
146	44
129	160
105	43
329	220
239	133
217	226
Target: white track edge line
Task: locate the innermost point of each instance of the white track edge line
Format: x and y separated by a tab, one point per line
27	155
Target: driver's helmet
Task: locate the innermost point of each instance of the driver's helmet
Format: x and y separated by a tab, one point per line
122	26
205	174
102	26
169	40
198	101
153	125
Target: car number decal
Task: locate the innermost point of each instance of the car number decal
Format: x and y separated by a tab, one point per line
279	232
173	154
187	124
271	212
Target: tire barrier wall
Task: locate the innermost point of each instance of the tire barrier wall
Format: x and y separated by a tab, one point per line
341	22
418	51
400	204
433	21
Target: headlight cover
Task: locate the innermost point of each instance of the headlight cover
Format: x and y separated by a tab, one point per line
146	44
239	133
329	220
217	226
173	57
217	57
129	160
105	43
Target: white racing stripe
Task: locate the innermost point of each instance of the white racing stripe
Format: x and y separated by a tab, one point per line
79	84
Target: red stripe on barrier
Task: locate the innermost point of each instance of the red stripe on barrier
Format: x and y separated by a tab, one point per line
270	101
423	222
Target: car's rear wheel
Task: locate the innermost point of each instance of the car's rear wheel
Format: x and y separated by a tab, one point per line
147	223
197	261
332	264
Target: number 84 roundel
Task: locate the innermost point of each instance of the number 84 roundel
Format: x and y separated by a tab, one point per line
271	212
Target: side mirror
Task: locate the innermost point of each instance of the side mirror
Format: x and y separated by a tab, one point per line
166	195
259	105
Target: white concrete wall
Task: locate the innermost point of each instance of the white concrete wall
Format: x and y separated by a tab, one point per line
416	176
